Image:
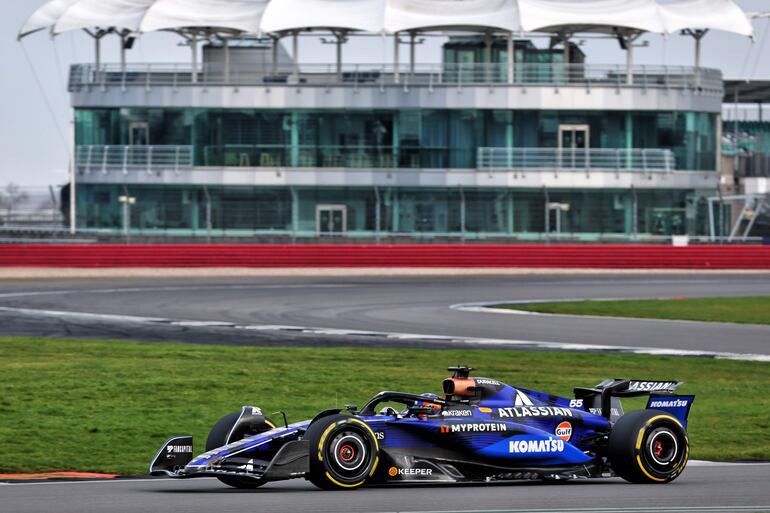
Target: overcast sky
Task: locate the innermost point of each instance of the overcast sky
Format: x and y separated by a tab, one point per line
33	148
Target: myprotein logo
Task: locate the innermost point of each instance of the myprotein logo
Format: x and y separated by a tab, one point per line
534	411
564	431
480	427
550	446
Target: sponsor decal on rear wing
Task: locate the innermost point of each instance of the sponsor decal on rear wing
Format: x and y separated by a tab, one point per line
653	386
677	405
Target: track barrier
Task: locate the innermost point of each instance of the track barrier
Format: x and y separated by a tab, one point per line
344	255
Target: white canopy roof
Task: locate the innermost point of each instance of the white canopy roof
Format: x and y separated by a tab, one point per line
706	14
282	15
641	15
125	14
243	15
403	15
255	16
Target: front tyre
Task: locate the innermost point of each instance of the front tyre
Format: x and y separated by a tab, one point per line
218	437
343	452
648	446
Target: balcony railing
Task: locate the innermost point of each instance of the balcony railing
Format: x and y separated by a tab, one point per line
595	159
154	159
92	158
357	76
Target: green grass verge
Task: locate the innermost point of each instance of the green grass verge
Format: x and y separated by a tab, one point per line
746	310
108	405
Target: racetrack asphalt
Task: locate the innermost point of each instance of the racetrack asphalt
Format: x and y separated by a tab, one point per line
412	305
699	489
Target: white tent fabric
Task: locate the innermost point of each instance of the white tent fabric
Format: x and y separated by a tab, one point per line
45	17
243	15
122	14
401	15
706	14
547	15
255	16
283	15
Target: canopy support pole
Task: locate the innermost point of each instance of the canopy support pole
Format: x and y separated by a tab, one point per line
97	35
275	53
626	40
487	56
565	37
98	56
340	35
396	58
697	35
226	48
511	58
123	52
412	36
194	56
295	54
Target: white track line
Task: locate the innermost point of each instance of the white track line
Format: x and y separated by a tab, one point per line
484	307
173	289
426	338
651	509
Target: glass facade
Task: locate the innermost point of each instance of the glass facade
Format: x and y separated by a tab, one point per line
366	211
389	139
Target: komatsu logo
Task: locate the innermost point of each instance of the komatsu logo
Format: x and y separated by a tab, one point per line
651	386
535	446
534	411
474	428
669	403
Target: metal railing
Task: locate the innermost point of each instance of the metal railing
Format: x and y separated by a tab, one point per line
100	158
380	75
599	159
153	159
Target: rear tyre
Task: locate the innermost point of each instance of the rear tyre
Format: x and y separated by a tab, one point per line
343	452
648	446
218	437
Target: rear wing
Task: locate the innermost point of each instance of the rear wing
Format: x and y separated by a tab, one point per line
604	398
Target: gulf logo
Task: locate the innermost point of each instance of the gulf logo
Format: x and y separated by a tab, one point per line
564	431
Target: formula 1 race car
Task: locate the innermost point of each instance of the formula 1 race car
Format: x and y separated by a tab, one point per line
481	430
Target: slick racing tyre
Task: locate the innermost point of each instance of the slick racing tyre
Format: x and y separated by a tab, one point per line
218	437
343	452
648	446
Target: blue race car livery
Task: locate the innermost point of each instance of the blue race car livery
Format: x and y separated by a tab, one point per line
480	430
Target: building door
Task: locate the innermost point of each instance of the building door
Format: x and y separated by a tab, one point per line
139	134
331	219
557	213
573	146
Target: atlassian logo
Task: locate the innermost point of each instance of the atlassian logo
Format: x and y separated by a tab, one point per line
521	399
551	445
564	431
473	428
649	386
534	411
669	403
